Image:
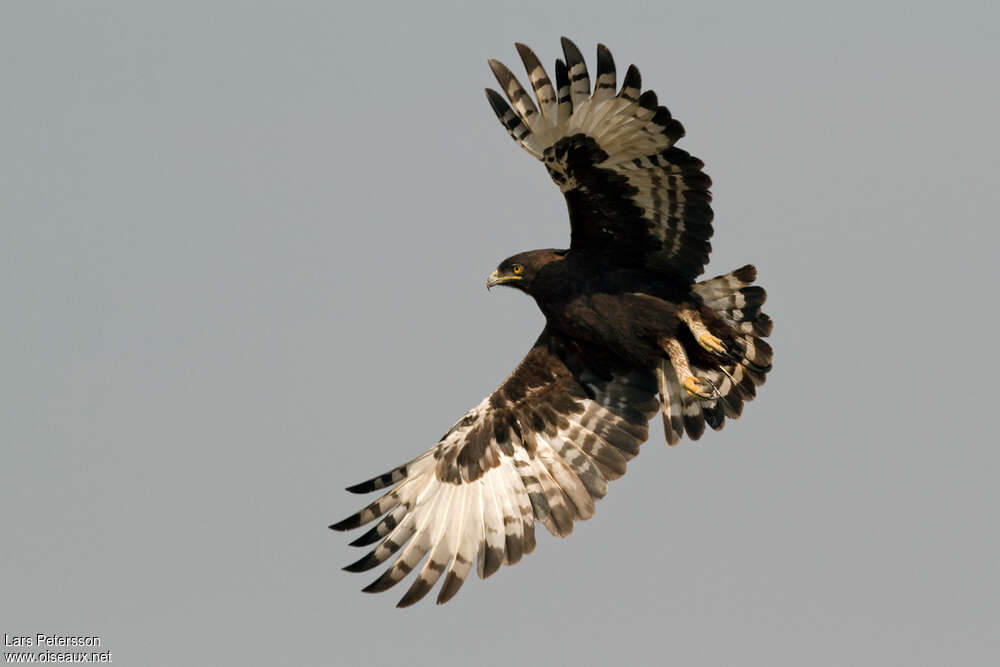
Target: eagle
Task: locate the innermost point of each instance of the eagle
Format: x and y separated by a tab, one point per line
629	333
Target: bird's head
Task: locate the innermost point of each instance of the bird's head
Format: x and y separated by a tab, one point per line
521	270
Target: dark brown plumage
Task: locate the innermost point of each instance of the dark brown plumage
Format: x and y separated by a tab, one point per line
626	323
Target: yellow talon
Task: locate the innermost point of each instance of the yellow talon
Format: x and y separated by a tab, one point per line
698	388
711	343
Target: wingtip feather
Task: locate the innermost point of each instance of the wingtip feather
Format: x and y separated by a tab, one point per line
497	101
416	592
383	583
350	522
363	564
570	50
450	587
605	61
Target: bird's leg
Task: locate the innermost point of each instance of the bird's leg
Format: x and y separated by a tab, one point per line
678	358
705	338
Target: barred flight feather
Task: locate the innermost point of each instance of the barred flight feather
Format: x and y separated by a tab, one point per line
612	155
540	81
468	501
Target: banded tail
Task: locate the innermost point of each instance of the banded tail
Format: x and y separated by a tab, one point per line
721	358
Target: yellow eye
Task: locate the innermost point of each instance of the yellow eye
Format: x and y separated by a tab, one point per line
517	268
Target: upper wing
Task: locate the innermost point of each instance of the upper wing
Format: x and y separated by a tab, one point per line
542	447
632	195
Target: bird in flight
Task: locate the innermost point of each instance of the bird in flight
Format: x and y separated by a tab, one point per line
629	332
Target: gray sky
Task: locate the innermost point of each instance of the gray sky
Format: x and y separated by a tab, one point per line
242	254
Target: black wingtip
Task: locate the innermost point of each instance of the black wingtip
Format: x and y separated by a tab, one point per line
528	58
383	583
632	77
383	528
450	586
379	481
562	73
496	101
363	487
605	61
501	72
746	273
350	522
370	537
417	591
493	559
363	564
572	53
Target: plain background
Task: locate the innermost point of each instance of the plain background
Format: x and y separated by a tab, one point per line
242	255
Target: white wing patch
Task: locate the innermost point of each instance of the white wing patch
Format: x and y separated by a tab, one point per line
552	475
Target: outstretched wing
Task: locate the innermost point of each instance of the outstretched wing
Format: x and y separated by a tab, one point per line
633	196
542	447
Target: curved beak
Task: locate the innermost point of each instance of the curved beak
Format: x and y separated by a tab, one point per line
496	279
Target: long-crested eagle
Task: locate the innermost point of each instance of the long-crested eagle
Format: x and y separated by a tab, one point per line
628	332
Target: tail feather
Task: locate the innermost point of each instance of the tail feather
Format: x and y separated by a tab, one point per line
736	301
731	309
673	404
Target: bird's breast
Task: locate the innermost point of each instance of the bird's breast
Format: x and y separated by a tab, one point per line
628	324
